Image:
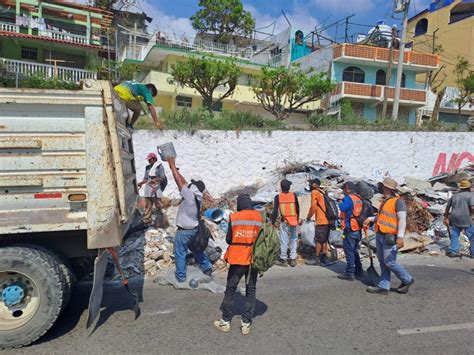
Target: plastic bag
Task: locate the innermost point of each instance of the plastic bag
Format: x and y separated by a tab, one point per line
307	233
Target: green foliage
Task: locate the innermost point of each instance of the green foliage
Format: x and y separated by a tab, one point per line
224	18
206	75
203	119
39	82
282	91
464	81
346	108
125	71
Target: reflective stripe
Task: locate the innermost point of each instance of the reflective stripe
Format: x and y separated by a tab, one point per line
246	223
385	223
392	215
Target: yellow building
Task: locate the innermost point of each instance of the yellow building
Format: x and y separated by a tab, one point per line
156	66
449	25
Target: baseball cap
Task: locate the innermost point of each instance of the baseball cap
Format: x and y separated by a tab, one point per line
151	156
199	184
285	184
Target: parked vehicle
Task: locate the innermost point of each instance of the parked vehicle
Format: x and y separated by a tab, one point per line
67	191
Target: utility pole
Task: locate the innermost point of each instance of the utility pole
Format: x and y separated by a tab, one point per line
433	51
396	99
346	32
388	77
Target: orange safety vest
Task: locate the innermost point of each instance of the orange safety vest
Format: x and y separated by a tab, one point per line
387	220
356	211
287	203
246	226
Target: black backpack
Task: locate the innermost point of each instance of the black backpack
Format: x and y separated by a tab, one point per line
163	182
367	211
201	241
332	213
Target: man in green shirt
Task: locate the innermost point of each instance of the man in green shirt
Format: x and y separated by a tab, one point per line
133	93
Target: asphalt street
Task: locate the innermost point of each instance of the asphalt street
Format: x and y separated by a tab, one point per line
299	310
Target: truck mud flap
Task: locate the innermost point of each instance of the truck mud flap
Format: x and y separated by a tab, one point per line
95	300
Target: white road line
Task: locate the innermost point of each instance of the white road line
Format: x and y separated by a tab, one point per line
439	328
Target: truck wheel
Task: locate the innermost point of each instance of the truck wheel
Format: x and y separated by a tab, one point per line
32	287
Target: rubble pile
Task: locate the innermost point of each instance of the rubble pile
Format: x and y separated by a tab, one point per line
151	251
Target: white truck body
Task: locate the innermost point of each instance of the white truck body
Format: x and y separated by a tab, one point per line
58	147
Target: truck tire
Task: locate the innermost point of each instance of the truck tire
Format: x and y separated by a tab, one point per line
32	287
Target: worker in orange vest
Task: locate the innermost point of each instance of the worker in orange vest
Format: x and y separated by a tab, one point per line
322	227
244	227
350	208
286	204
390	225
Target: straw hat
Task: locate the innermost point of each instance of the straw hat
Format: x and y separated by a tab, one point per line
391	184
464	184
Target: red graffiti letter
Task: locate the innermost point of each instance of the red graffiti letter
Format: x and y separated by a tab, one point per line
440	166
462	157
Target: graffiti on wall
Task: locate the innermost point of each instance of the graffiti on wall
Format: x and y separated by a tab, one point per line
456	161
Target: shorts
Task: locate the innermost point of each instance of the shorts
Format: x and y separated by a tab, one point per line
321	233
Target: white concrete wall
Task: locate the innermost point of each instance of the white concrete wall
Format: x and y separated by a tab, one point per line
226	160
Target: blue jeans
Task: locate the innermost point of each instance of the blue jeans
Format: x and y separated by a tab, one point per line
455	232
285	229
180	249
351	249
387	255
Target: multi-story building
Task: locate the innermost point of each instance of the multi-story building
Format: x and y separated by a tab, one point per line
157	59
360	73
445	27
59	39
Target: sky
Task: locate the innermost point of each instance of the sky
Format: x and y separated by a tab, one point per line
172	16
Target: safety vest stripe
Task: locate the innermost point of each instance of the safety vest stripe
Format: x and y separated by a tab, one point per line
385	223
243	244
246	223
388	214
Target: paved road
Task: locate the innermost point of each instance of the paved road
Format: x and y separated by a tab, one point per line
301	310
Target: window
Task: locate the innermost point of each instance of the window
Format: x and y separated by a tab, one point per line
299	37
275	51
421	27
65	59
184	102
403	80
461	11
29	53
354	75
380	77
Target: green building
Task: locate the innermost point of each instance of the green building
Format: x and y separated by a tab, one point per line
56	38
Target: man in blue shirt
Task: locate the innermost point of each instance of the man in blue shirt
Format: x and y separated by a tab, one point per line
351	207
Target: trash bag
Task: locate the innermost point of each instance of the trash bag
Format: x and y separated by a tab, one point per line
440	229
364	190
335	237
307	233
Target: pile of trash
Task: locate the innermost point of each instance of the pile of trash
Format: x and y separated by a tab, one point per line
151	252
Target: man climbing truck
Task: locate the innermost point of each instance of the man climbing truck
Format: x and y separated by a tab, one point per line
67	191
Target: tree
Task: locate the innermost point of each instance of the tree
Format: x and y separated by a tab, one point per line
206	75
224	18
465	83
282	91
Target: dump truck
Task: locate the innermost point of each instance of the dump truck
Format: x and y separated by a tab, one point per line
68	192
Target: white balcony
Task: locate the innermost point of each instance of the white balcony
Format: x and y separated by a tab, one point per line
64	36
9	27
49	71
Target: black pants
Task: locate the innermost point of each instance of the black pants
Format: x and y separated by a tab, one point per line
236	272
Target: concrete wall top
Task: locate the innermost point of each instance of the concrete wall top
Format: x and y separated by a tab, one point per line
226	160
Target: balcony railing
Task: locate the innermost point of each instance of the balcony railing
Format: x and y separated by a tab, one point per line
9	27
371	53
64	36
376	93
47	70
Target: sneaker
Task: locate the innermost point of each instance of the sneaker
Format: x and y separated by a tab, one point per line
450	254
359	275
222	325
377	290
403	288
245	328
346	277
281	262
292	262
208	272
313	262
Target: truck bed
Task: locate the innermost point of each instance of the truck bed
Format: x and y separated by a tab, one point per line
66	163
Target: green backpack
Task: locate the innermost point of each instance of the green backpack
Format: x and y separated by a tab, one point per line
266	249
